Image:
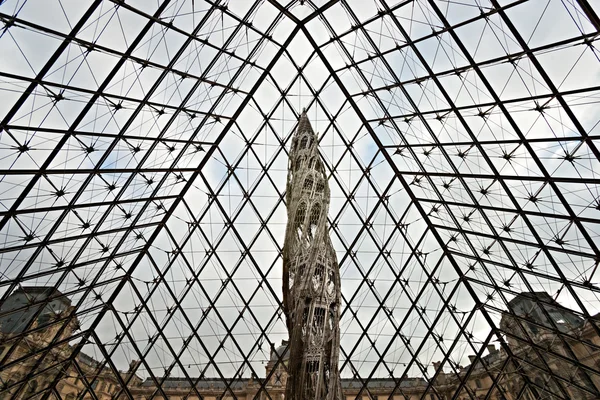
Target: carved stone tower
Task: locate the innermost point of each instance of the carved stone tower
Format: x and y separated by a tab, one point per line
311	278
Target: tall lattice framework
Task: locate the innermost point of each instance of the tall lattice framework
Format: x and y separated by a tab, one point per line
311	278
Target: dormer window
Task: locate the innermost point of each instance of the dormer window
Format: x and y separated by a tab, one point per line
299	219
304	142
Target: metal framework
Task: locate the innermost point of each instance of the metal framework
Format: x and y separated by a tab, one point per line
144	149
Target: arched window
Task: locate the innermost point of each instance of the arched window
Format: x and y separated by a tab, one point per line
315	216
318	322
308	183
318	165
332	316
303	143
318	275
305	315
299	218
320	187
330	281
326	375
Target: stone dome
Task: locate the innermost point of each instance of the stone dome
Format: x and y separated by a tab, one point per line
281	351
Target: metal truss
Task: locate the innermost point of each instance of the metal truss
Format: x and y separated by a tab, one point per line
144	149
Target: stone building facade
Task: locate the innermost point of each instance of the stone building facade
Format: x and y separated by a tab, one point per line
42	311
534	320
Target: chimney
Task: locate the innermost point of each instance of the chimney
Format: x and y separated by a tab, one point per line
472	359
491	348
436	365
133	365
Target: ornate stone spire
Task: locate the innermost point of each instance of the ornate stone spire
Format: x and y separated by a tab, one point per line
311	279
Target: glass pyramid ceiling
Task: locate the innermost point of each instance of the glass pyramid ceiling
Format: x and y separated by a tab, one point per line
144	151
